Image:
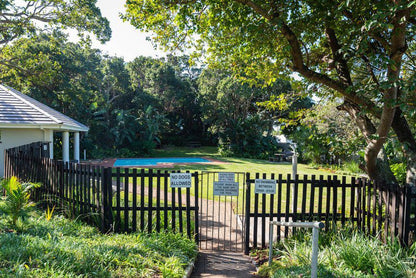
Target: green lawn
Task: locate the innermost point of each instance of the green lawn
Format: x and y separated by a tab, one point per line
234	164
252	166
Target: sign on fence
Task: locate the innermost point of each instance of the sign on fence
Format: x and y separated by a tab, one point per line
223	176
225	188
265	186
180	180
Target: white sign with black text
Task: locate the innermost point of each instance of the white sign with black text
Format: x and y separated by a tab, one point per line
265	186
226	176
226	188
180	180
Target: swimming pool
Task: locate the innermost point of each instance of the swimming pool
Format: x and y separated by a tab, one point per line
141	162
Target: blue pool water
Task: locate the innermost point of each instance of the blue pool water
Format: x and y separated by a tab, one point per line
155	161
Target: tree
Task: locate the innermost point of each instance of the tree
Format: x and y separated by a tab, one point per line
171	87
126	105
243	116
19	18
63	75
362	51
327	134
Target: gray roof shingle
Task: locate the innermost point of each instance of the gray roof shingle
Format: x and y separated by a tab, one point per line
19	109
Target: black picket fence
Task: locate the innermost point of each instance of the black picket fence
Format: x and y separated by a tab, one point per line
128	200
114	199
376	209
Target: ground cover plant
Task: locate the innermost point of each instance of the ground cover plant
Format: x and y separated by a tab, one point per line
59	247
342	254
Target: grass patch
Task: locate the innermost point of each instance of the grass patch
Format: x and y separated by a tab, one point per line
164	217
240	166
64	248
234	164
342	254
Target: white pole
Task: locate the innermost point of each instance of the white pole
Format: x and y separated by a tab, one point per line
294	173
76	146
294	165
314	259
270	243
315	240
65	146
51	144
85	154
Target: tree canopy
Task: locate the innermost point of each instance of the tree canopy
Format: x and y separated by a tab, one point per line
18	18
131	107
361	51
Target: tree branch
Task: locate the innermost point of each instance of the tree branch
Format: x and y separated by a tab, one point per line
340	63
370	70
302	69
256	8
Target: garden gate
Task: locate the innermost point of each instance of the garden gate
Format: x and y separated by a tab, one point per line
221	211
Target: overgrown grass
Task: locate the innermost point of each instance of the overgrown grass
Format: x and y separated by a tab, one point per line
64	248
344	254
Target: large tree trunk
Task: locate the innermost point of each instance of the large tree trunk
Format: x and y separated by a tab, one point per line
377	165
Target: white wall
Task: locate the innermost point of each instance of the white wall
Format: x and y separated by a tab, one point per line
16	137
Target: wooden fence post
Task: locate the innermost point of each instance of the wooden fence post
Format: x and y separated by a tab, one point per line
106	200
407	191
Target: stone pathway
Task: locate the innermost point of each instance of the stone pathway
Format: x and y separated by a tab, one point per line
223	264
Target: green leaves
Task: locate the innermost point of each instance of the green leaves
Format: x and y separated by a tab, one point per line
16	202
359	50
20	18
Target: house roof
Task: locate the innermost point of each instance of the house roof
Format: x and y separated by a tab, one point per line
18	110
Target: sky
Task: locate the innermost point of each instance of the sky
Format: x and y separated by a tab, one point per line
126	41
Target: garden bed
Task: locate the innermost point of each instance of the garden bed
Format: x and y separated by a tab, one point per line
341	254
64	248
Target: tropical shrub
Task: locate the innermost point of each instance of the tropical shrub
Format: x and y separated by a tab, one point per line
16	204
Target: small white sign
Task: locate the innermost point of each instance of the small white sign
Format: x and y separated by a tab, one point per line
226	188
265	186
226	176
180	180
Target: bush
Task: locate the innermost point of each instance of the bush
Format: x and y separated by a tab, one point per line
352	167
399	171
344	254
16	204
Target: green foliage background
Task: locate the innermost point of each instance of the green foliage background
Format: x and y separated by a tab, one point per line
134	107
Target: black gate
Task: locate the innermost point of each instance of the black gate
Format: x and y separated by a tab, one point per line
221	211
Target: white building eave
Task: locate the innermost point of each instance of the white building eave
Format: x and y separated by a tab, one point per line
55	127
